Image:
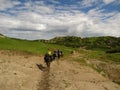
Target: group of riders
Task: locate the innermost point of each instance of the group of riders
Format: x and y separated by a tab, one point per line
52	55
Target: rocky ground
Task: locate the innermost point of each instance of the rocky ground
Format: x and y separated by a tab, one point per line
20	71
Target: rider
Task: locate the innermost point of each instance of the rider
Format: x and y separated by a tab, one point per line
50	53
58	53
54	54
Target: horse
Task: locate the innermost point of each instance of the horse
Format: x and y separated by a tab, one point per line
47	59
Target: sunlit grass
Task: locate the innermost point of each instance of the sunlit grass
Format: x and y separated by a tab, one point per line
30	46
100	55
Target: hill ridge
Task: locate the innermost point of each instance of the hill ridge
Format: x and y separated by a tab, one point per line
1	35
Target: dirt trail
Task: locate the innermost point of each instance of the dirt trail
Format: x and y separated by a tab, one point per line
25	72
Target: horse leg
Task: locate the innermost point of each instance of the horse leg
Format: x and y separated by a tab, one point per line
49	64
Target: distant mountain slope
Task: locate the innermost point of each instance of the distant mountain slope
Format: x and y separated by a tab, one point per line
105	43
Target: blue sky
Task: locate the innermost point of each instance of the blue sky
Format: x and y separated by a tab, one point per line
45	19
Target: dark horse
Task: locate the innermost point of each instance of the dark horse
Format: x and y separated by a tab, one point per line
48	59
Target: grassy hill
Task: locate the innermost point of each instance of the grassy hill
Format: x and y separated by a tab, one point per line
97	43
101	48
29	46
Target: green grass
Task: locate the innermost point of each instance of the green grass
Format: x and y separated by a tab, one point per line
41	48
30	46
100	55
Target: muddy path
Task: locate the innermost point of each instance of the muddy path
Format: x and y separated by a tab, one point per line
29	72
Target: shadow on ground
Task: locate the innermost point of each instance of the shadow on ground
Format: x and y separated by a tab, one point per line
41	67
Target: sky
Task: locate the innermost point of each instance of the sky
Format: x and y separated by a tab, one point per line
46	19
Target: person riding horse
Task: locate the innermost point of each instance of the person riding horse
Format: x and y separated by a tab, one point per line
49	56
47	59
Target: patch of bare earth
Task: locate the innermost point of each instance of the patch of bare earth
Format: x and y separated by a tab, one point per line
110	70
28	72
19	71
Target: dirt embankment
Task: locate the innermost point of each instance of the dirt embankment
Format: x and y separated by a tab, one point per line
110	70
28	72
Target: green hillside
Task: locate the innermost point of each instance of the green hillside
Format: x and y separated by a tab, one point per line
102	46
97	43
29	46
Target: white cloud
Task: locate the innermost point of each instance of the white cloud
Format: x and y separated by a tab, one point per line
20	23
88	3
5	4
99	15
43	9
108	1
46	22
